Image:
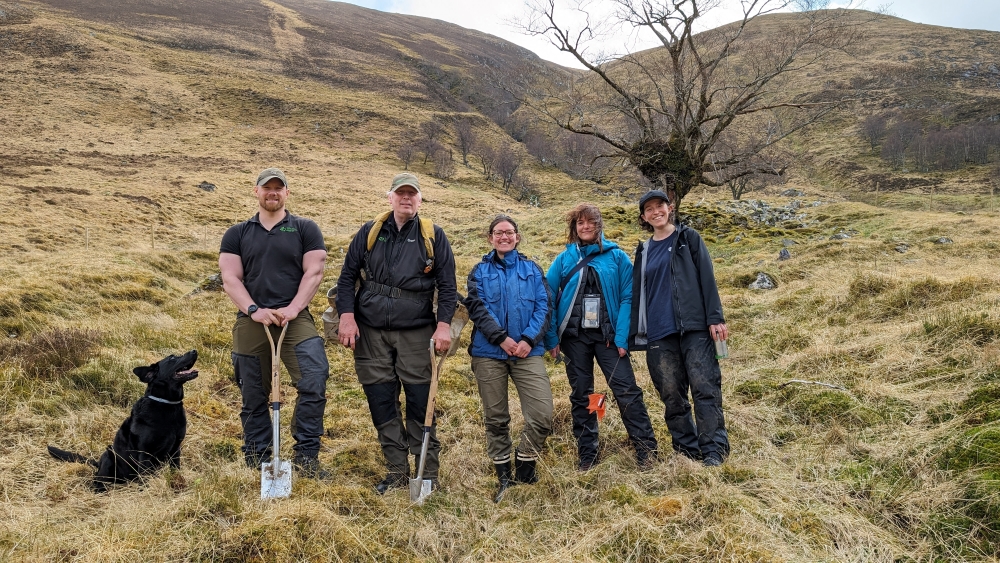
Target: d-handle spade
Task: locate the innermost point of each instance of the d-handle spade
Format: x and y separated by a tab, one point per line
420	488
276	476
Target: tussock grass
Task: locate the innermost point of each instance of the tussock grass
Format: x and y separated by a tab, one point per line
899	465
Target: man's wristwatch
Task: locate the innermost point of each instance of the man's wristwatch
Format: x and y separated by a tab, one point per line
251	310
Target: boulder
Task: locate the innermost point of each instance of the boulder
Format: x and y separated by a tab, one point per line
208	187
784	254
763	282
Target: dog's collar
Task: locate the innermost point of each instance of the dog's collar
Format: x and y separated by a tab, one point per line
164	401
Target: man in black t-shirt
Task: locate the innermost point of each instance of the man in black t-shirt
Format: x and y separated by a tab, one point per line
271	266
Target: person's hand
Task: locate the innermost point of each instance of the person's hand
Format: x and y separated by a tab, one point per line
347	332
554	352
266	317
287	314
522	349
719	331
442	338
622	352
509	346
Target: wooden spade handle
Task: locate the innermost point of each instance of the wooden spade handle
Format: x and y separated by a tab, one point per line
275	363
432	394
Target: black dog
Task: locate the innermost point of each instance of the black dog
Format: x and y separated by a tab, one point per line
151	436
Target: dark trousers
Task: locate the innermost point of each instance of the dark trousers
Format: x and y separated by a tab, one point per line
387	362
679	363
580	353
305	359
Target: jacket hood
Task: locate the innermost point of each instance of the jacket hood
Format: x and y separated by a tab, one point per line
605	246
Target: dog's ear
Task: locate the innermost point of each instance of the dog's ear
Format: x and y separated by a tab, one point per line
146	373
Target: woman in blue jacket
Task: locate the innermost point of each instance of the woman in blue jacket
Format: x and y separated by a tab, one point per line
592	279
509	305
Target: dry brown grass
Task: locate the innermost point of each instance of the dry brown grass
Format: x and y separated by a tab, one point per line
896	467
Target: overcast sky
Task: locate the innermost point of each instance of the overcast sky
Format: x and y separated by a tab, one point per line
493	16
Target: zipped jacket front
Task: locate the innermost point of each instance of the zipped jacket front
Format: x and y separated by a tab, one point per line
614	270
696	300
506	297
396	293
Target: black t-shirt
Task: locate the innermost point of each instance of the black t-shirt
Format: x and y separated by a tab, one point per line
272	260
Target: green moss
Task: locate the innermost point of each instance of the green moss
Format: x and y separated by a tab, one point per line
754	389
810	406
622	495
982	406
977	447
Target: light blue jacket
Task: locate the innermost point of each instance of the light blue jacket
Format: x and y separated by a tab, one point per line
614	270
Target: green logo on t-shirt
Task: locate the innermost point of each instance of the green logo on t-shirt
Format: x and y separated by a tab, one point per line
287	229
382	239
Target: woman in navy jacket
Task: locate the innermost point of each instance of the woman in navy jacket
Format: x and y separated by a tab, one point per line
591	322
509	305
676	316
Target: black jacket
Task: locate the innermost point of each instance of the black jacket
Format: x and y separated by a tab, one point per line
692	279
397	262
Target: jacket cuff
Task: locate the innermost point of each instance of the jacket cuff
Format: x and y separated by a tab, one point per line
502	335
531	341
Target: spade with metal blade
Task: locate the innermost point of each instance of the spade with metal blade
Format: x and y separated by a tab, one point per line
420	488
275	476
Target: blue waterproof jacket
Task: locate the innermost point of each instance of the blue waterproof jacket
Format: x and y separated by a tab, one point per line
506	297
614	270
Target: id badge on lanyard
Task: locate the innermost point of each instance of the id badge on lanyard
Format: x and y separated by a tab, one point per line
591	311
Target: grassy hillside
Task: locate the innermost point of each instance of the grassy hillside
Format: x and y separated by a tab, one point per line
111	122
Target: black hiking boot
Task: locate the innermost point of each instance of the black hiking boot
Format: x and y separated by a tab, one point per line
392	481
504	478
309	467
525	471
712	460
646	459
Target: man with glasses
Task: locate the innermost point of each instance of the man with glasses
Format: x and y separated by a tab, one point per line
389	321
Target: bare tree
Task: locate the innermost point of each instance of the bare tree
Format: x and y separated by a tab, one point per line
487	154
406	152
665	111
873	130
429	144
444	165
465	136
508	163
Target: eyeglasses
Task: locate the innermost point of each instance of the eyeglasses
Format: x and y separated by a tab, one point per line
508	234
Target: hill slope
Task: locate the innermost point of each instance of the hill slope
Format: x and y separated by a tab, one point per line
114	113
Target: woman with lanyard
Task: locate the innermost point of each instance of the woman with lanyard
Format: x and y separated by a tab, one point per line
592	281
677	318
509	305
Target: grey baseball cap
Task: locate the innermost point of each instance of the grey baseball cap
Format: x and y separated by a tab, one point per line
405	179
269	174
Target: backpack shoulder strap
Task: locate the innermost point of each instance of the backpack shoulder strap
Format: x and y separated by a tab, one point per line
427	233
376	227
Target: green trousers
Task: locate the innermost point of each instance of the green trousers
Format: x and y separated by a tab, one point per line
532	384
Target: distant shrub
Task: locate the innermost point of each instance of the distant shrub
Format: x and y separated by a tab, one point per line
54	352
